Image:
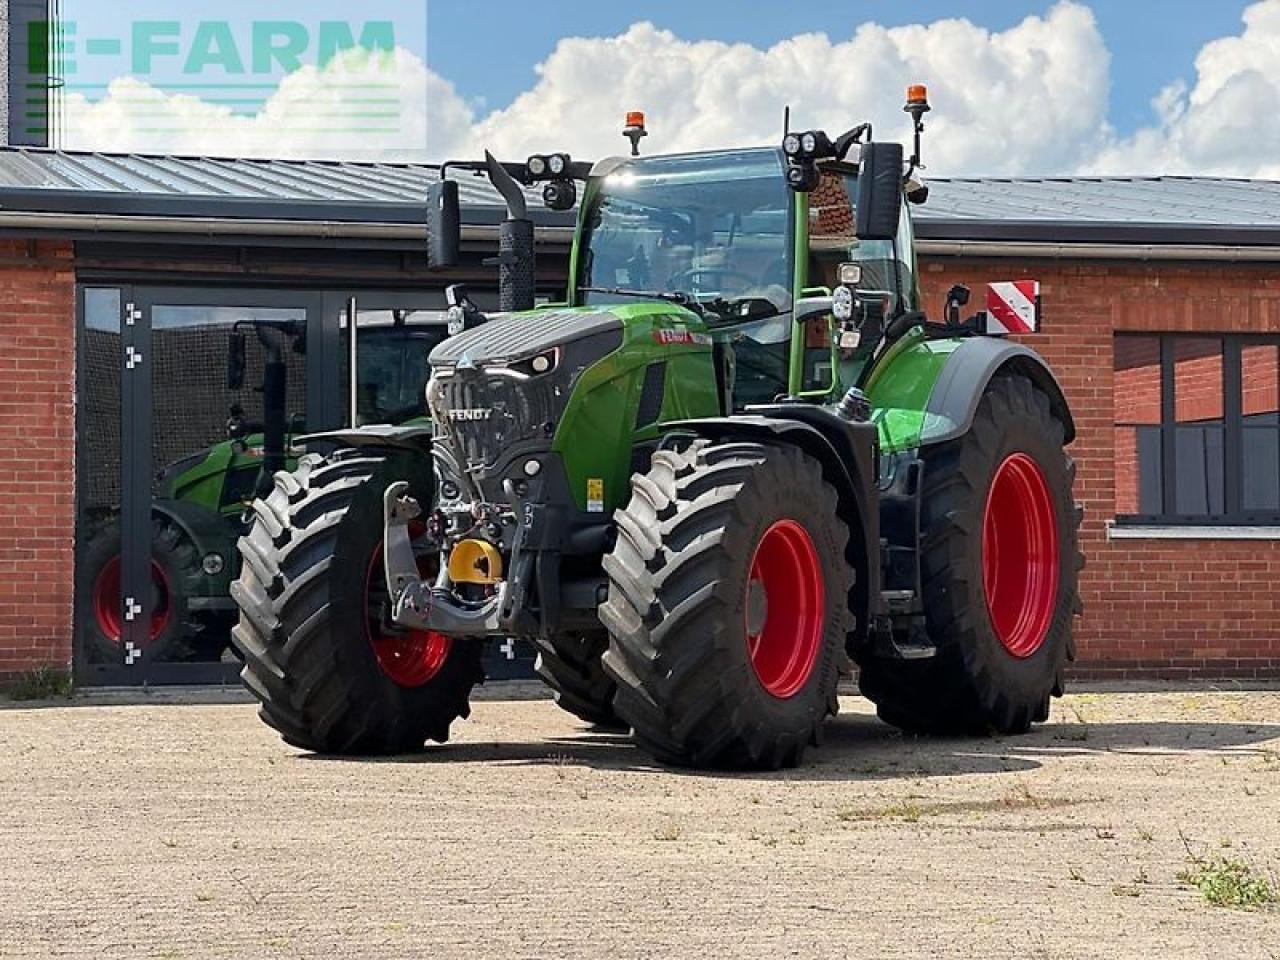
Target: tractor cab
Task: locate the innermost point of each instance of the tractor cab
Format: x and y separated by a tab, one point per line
728	236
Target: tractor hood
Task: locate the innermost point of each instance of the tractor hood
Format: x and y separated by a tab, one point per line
511	337
499	390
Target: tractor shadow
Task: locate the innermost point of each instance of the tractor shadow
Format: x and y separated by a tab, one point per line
859	747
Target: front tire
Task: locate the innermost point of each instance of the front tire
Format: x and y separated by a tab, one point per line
999	565
570	665
728	606
330	675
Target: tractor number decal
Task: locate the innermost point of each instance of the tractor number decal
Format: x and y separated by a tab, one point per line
1013	307
595	495
686	337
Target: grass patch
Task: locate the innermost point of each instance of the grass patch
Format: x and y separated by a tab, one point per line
913	810
1230	883
46	683
668	832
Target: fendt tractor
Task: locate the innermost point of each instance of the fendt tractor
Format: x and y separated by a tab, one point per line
737	460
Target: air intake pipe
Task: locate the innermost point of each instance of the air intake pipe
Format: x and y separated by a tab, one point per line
516	259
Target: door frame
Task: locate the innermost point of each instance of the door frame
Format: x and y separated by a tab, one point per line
136	468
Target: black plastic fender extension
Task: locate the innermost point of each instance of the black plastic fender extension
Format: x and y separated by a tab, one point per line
966	374
416	438
849	456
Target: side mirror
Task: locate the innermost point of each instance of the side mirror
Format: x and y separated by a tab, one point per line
879	191
444	225
235	360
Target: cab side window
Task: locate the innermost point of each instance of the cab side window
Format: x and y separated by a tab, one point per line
906	251
831	239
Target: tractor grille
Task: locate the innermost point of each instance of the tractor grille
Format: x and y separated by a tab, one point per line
485	417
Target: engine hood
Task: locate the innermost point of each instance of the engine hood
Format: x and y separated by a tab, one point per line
508	337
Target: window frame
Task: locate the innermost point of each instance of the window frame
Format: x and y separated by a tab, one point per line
1234	514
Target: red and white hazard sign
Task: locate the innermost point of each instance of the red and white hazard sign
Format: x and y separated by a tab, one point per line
1013	307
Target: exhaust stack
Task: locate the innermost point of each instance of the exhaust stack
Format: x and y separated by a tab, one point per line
516	258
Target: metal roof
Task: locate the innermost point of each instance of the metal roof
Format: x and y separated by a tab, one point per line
1200	201
1205	210
267	180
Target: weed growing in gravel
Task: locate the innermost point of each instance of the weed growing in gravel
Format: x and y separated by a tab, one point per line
913	809
668	832
47	683
1230	883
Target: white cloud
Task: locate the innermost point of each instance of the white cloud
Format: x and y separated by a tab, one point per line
1226	123
366	106
1030	98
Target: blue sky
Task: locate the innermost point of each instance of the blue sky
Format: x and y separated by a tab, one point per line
489	50
1048	88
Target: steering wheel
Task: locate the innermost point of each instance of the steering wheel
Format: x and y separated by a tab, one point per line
678	280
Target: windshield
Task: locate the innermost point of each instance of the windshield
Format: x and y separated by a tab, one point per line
393	372
715	227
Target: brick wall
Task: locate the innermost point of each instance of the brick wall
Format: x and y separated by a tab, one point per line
1155	607
37	471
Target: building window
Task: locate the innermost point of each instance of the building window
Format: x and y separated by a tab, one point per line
1197	429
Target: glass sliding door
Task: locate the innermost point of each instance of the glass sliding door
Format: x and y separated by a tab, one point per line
228	395
190	401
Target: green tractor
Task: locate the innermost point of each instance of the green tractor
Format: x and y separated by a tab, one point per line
203	502
735	462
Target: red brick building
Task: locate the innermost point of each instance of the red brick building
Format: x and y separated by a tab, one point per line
1161	317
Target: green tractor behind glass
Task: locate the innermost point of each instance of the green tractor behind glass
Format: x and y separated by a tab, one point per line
735	462
203	502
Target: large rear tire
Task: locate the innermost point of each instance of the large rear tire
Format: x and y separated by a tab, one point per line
570	665
999	565
330	674
728	606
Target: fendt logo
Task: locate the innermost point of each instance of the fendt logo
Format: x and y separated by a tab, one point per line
470	416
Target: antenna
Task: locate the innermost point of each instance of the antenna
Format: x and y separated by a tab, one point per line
786	120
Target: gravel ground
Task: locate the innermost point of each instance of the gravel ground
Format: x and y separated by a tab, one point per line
189	830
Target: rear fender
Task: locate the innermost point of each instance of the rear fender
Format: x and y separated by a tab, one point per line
847	452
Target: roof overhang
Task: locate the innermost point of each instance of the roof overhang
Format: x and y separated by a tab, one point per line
400	225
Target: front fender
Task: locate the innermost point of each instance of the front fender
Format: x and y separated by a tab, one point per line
410	436
847	452
926	391
209	533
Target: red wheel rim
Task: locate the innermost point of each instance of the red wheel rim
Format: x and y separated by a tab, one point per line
785	609
410	658
107	602
1020	562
